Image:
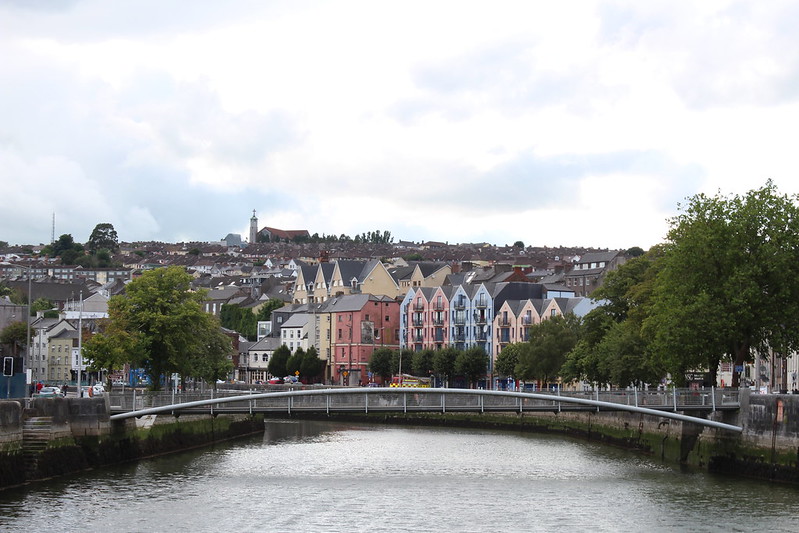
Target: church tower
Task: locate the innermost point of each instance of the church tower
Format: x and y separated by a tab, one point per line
253	228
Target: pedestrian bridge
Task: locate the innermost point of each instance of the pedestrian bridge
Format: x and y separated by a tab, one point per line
670	404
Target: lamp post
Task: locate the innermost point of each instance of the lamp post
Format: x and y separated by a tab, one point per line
26	360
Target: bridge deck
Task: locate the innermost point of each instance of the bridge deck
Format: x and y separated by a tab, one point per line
295	399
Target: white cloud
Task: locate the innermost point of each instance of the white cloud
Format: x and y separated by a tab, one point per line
551	123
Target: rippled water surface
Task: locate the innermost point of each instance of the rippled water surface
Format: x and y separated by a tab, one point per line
316	476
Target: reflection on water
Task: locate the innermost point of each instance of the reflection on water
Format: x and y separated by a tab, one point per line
319	476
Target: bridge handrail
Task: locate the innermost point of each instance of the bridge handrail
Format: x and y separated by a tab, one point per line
367	391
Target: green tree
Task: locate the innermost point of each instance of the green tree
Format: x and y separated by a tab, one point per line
612	348
550	341
248	324
729	282
294	362
41	304
239	319
15	334
519	245
277	363
635	251
444	362
472	364
104	236
312	366
5	290
71	257
422	362
264	313
508	358
110	348
382	363
159	321
65	242
212	360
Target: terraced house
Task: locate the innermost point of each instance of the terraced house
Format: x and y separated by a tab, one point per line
322	281
486	315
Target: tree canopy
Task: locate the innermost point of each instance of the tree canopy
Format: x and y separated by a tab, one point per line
728	283
159	325
550	341
472	364
382	363
15	334
103	237
277	363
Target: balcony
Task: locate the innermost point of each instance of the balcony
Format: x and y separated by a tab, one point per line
438	320
481	336
504	322
418	322
459	305
418	306
481	303
438	335
438	306
459	337
459	319
480	318
527	320
417	337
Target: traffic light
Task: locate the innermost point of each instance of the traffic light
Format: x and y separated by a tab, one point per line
8	366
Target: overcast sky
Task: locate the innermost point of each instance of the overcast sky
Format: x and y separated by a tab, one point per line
556	123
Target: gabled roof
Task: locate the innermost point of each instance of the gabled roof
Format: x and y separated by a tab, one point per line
327	272
297	320
267	344
598	257
349	269
401	272
427	269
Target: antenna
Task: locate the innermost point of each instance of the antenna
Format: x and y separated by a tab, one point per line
52	233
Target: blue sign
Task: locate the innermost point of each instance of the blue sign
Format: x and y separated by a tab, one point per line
739	368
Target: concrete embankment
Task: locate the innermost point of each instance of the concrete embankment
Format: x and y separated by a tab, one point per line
58	436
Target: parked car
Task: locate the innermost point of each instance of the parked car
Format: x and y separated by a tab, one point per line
49	392
276	381
98	388
291	379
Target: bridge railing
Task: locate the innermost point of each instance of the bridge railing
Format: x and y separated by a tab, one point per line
408	399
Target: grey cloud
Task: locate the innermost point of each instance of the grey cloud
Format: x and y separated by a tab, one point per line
502	76
528	182
744	54
189	118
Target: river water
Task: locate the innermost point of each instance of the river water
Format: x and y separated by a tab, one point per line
320	476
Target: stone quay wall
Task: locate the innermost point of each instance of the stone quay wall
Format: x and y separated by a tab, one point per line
79	436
